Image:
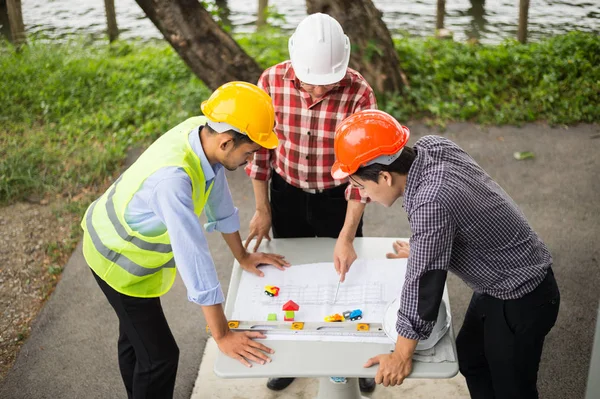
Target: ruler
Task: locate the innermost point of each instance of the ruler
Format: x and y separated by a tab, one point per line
313	328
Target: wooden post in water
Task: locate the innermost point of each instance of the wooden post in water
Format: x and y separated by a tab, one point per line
15	20
523	14
111	19
261	19
441	10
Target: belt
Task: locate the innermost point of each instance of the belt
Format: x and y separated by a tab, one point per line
341	189
312	191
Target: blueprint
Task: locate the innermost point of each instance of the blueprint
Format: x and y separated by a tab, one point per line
371	284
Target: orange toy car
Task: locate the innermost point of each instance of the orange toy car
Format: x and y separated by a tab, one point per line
334	318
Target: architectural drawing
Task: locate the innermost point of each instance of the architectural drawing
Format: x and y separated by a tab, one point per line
351	295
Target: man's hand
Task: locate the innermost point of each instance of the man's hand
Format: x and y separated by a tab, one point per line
259	227
240	346
393	368
343	257
401	250
251	261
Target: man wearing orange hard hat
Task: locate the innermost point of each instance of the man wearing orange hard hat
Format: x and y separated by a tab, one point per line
461	221
145	228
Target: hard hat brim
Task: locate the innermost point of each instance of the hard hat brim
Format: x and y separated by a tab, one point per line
337	172
270	143
321	80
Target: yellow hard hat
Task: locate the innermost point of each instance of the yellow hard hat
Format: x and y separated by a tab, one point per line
245	107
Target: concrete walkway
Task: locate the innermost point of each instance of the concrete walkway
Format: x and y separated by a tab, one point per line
71	352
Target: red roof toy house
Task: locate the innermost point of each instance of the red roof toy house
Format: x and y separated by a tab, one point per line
290	307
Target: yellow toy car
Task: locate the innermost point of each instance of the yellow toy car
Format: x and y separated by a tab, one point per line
271	290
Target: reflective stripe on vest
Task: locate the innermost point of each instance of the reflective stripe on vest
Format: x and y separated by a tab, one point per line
138	242
116	257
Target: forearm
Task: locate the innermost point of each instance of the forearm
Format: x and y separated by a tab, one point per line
234	242
261	194
353	215
215	318
405	347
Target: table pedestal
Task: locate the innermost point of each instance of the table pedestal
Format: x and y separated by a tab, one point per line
329	390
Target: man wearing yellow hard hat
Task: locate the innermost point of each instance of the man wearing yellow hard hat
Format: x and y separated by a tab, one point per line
146	226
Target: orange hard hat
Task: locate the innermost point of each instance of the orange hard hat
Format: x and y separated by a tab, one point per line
364	137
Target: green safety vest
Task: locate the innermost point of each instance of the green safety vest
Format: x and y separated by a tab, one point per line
130	262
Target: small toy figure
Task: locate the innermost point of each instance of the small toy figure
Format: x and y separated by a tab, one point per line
271	290
353	315
290	307
334	318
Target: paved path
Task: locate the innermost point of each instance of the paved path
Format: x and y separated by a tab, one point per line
71	352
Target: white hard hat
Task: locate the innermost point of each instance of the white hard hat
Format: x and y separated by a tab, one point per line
319	50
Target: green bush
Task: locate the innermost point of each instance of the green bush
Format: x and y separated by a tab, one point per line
69	112
268	47
556	80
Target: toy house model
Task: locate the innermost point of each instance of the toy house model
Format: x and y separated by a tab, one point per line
289	308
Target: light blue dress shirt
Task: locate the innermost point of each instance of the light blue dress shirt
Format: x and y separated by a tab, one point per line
164	202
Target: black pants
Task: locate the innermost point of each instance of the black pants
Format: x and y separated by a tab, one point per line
296	213
148	353
500	343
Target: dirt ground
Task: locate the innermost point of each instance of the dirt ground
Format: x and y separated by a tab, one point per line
34	244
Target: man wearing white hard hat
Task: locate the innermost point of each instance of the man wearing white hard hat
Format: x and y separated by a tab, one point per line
312	93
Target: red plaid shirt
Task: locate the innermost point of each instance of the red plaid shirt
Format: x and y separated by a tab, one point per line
306	129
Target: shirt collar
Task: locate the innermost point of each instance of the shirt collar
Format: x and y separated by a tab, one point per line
290	74
208	170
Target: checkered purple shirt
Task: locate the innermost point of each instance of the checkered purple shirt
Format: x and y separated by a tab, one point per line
464	222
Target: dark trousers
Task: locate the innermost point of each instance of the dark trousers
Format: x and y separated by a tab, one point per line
296	213
500	343
148	353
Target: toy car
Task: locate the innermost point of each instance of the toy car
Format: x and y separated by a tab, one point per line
353	315
271	290
334	318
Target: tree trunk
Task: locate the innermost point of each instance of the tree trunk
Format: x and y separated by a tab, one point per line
111	20
4	24
523	15
206	48
15	20
373	52
261	17
441	12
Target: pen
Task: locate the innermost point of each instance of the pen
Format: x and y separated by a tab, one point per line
337	290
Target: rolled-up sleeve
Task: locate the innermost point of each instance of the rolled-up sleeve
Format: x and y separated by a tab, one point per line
353	194
172	202
367	101
259	168
433	232
220	212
